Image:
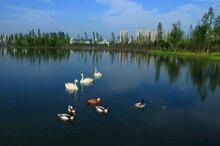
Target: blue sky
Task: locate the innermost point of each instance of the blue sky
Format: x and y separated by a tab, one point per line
104	16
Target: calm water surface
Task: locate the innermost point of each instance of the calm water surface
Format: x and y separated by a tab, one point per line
182	96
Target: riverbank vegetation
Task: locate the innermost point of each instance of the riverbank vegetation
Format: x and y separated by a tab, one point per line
212	56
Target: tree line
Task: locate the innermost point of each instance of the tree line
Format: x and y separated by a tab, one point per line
36	39
203	37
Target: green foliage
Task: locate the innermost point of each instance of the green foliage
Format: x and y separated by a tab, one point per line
33	39
176	34
217	33
113	38
159	32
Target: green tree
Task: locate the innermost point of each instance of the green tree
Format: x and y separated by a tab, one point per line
198	37
86	36
97	36
176	34
38	33
208	24
101	38
159	32
217	32
93	36
113	38
189	35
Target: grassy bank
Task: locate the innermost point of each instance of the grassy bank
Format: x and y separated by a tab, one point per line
214	56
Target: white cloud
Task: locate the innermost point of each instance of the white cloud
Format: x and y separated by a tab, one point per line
26	18
128	14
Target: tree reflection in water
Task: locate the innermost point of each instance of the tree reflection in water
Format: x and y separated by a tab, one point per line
37	56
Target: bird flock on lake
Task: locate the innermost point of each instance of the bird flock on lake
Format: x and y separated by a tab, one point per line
96	102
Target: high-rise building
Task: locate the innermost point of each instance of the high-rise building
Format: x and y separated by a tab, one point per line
165	35
145	35
153	35
71	40
142	35
123	38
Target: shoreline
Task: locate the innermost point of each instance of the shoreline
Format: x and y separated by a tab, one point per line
211	56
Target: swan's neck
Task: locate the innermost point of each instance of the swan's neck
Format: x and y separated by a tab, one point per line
95	70
81	77
75	83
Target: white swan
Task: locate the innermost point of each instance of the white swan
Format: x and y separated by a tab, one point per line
97	75
72	86
102	109
140	105
85	81
65	117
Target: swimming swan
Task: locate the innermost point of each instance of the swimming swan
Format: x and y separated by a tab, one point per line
140	105
85	81
97	75
72	86
102	109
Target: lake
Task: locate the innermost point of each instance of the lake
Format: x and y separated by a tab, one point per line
182	99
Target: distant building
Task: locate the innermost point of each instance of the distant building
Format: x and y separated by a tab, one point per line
123	37
71	40
3	38
153	35
81	41
144	35
88	41
166	35
103	42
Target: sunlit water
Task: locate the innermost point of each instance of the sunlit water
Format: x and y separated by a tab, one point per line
182	97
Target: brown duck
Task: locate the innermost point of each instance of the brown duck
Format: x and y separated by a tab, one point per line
94	101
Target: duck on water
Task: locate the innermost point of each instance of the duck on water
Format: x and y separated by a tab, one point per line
68	116
102	109
94	101
140	105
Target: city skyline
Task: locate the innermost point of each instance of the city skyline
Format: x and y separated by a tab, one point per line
103	16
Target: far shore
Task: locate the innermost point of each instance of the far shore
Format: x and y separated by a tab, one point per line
211	56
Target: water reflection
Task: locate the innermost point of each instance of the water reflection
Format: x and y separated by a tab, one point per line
83	85
72	92
36	56
205	76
